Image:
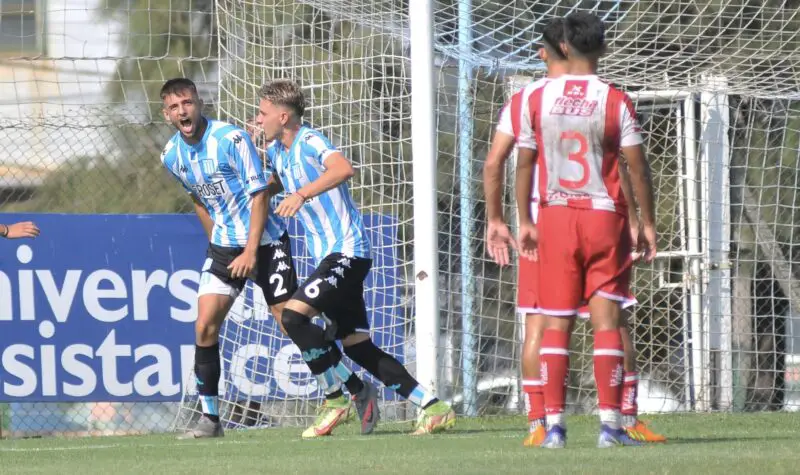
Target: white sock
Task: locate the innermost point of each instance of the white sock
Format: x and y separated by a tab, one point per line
555	420
610	418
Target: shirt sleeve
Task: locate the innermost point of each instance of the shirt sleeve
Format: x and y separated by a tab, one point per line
319	147
247	162
630	130
526	137
170	161
504	123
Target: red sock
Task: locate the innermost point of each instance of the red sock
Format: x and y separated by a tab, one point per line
630	388
608	358
555	366
534	398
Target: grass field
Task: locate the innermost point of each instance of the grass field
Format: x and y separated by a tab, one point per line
699	443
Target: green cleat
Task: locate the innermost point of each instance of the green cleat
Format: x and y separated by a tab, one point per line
436	418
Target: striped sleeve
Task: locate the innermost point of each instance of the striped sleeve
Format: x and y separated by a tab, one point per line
247	162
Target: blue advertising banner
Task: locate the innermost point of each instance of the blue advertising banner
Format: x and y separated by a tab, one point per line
102	308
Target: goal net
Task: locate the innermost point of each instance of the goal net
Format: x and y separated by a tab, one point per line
714	328
715	86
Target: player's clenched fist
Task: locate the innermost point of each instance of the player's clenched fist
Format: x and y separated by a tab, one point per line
290	205
528	241
498	240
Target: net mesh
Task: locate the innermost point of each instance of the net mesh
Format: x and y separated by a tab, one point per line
81	130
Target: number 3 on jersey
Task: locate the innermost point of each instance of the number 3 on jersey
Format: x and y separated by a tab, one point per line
578	157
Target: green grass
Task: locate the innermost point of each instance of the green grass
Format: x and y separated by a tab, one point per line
699	443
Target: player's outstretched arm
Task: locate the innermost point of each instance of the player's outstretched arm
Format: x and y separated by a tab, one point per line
498	237
203	215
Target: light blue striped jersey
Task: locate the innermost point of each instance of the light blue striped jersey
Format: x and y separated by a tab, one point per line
331	220
223	170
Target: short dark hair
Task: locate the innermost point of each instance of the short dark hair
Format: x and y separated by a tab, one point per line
286	93
553	36
177	86
585	33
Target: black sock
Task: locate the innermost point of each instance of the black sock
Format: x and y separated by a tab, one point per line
383	366
207	371
335	395
353	384
321	356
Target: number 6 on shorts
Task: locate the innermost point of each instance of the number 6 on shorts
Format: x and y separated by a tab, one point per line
311	289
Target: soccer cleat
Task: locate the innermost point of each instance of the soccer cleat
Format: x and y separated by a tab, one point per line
205	428
436	418
536	435
639	431
556	438
331	413
613	437
366	403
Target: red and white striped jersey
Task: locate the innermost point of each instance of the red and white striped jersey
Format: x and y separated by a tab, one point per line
577	125
509	124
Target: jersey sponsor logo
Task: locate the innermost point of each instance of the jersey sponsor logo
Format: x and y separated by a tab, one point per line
560	196
576	89
255	178
210	190
573	106
314	353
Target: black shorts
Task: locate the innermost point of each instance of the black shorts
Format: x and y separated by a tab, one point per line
274	271
336	288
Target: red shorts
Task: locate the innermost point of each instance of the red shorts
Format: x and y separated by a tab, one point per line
527	286
582	252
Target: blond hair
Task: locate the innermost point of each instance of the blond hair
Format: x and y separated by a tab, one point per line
286	93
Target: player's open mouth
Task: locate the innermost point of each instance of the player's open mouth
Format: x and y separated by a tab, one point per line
186	124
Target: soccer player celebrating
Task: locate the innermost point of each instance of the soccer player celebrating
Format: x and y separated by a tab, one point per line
577	125
219	167
314	175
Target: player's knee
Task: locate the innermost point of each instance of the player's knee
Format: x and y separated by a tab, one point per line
562	324
293	320
277	314
206	331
